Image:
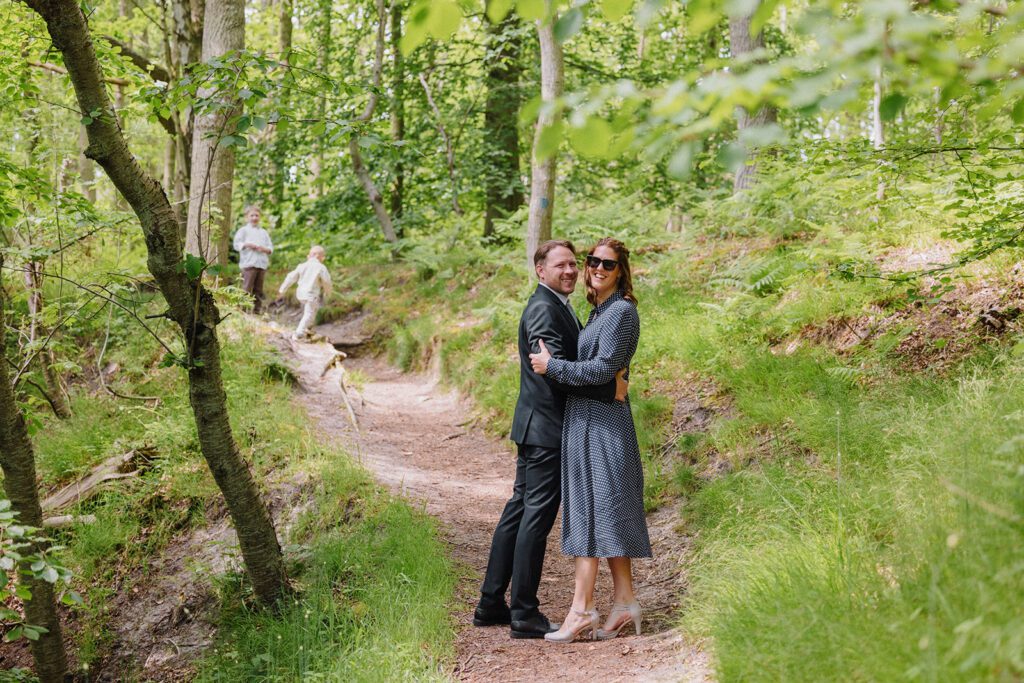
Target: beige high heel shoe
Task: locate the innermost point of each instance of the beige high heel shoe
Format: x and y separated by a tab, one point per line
634	618
564	635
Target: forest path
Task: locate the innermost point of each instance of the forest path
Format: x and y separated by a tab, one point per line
418	440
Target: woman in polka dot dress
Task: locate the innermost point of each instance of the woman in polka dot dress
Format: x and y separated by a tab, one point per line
602	478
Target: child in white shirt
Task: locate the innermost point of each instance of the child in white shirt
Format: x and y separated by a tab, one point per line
314	284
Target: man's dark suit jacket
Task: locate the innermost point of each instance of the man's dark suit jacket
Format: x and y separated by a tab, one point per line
541	404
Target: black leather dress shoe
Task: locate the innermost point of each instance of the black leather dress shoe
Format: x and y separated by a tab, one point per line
491	617
534	627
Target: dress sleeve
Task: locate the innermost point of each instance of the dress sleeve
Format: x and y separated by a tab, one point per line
620	332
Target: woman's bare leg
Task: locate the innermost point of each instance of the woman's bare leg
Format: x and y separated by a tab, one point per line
622	588
583	596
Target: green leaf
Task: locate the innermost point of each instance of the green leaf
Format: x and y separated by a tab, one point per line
528	112
614	10
592	139
86	120
549	140
71	598
318	129
416	26
568	25
194	266
499	9
1017	114
531	10
14	634
681	164
891	105
49	575
444	18
761	15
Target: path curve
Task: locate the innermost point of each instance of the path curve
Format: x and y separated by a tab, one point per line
417	439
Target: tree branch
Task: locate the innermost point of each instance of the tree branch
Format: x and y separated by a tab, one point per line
157	71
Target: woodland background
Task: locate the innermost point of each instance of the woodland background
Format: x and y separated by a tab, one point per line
824	204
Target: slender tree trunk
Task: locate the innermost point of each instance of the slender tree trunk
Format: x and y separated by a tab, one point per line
56	394
742	42
190	305
19	467
323	61
449	148
374	195
504	186
542	181
877	127
213	167
86	175
186	49
397	110
279	149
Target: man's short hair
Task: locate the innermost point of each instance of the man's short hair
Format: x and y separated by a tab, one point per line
545	248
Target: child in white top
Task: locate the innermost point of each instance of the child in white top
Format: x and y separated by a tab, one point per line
314	284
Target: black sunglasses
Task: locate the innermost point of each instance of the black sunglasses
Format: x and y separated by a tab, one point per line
607	263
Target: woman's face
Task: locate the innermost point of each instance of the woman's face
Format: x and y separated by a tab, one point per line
603	281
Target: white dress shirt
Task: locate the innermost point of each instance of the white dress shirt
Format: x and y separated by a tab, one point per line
250	258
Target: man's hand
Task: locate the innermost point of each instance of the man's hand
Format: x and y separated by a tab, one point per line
539	360
621	385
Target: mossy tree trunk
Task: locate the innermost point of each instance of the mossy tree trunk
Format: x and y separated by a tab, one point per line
19	467
190	305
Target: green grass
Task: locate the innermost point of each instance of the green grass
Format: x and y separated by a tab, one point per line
868	522
370	569
373	597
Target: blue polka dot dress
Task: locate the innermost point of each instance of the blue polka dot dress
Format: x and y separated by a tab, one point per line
602	479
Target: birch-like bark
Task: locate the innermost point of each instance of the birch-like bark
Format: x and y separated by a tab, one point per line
542	178
374	195
743	42
213	166
189	304
877	127
449	148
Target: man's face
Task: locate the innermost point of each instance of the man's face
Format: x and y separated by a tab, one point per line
253	216
559	270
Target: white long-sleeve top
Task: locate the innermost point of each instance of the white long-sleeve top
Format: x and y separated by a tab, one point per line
250	258
313	279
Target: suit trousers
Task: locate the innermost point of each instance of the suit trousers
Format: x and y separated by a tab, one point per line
520	539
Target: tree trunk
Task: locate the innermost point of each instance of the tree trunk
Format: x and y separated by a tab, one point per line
397	109
19	467
449	148
190	305
503	184
877	127
86	176
213	167
323	62
742	42
56	395
374	195
542	180
279	150
186	48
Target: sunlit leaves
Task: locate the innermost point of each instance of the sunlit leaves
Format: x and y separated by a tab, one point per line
614	10
891	105
593	139
532	9
568	24
548	140
499	9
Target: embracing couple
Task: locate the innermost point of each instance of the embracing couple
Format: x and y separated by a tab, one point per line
576	443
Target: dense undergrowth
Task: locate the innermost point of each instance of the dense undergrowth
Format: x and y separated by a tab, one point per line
857	507
371	574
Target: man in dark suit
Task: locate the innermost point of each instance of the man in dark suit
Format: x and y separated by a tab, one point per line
517	550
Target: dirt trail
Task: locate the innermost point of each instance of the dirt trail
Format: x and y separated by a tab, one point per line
418	440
